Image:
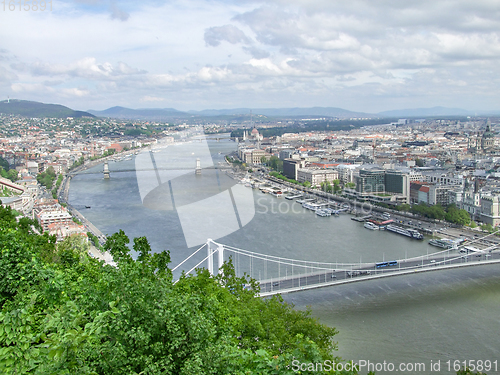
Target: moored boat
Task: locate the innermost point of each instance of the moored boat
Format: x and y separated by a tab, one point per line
411	233
371	226
323	212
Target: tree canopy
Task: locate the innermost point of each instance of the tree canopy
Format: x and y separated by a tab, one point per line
63	312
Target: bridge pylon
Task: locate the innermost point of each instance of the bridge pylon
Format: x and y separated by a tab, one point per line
106	170
212	248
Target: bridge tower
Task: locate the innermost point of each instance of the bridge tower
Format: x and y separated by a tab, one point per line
106	169
212	248
198	166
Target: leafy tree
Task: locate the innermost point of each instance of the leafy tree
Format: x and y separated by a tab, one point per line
487	228
403	207
326	187
64	313
274	163
10	174
78	162
457	216
336	186
433	212
4	164
47	177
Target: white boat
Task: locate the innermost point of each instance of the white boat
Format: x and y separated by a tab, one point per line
443	243
301	201
291	196
371	226
323	212
412	233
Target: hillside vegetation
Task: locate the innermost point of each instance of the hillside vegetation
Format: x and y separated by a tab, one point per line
35	109
63	312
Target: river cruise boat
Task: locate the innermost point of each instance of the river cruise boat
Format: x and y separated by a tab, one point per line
443	243
412	233
371	226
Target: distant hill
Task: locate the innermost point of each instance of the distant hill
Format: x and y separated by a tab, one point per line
427	112
284	112
36	109
142	113
157	113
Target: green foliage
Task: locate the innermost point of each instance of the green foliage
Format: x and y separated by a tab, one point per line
275	163
137	131
10	174
281	177
457	216
336	186
4	164
487	228
329	188
65	313
433	212
300	127
93	238
35	109
47	177
451	213
403	207
78	162
473	224
109	152
233	161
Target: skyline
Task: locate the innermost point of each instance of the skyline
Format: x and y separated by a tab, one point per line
366	56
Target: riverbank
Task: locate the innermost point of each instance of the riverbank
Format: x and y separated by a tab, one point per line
435	228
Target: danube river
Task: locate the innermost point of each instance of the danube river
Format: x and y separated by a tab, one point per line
439	316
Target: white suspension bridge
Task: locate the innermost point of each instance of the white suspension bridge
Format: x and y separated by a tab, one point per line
284	275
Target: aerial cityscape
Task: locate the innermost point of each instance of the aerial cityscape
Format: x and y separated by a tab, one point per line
433	179
222	187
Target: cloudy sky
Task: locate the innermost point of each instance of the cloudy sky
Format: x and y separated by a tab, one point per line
362	55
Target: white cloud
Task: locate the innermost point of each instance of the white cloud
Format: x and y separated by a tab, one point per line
229	53
85	68
229	33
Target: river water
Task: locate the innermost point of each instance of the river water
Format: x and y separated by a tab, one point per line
425	318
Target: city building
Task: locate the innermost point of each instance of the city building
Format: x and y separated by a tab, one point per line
292	166
59	217
490	210
316	176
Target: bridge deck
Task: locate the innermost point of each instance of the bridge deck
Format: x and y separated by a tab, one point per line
307	282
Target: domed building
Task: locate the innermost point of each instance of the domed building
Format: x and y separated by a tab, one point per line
488	139
253	136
